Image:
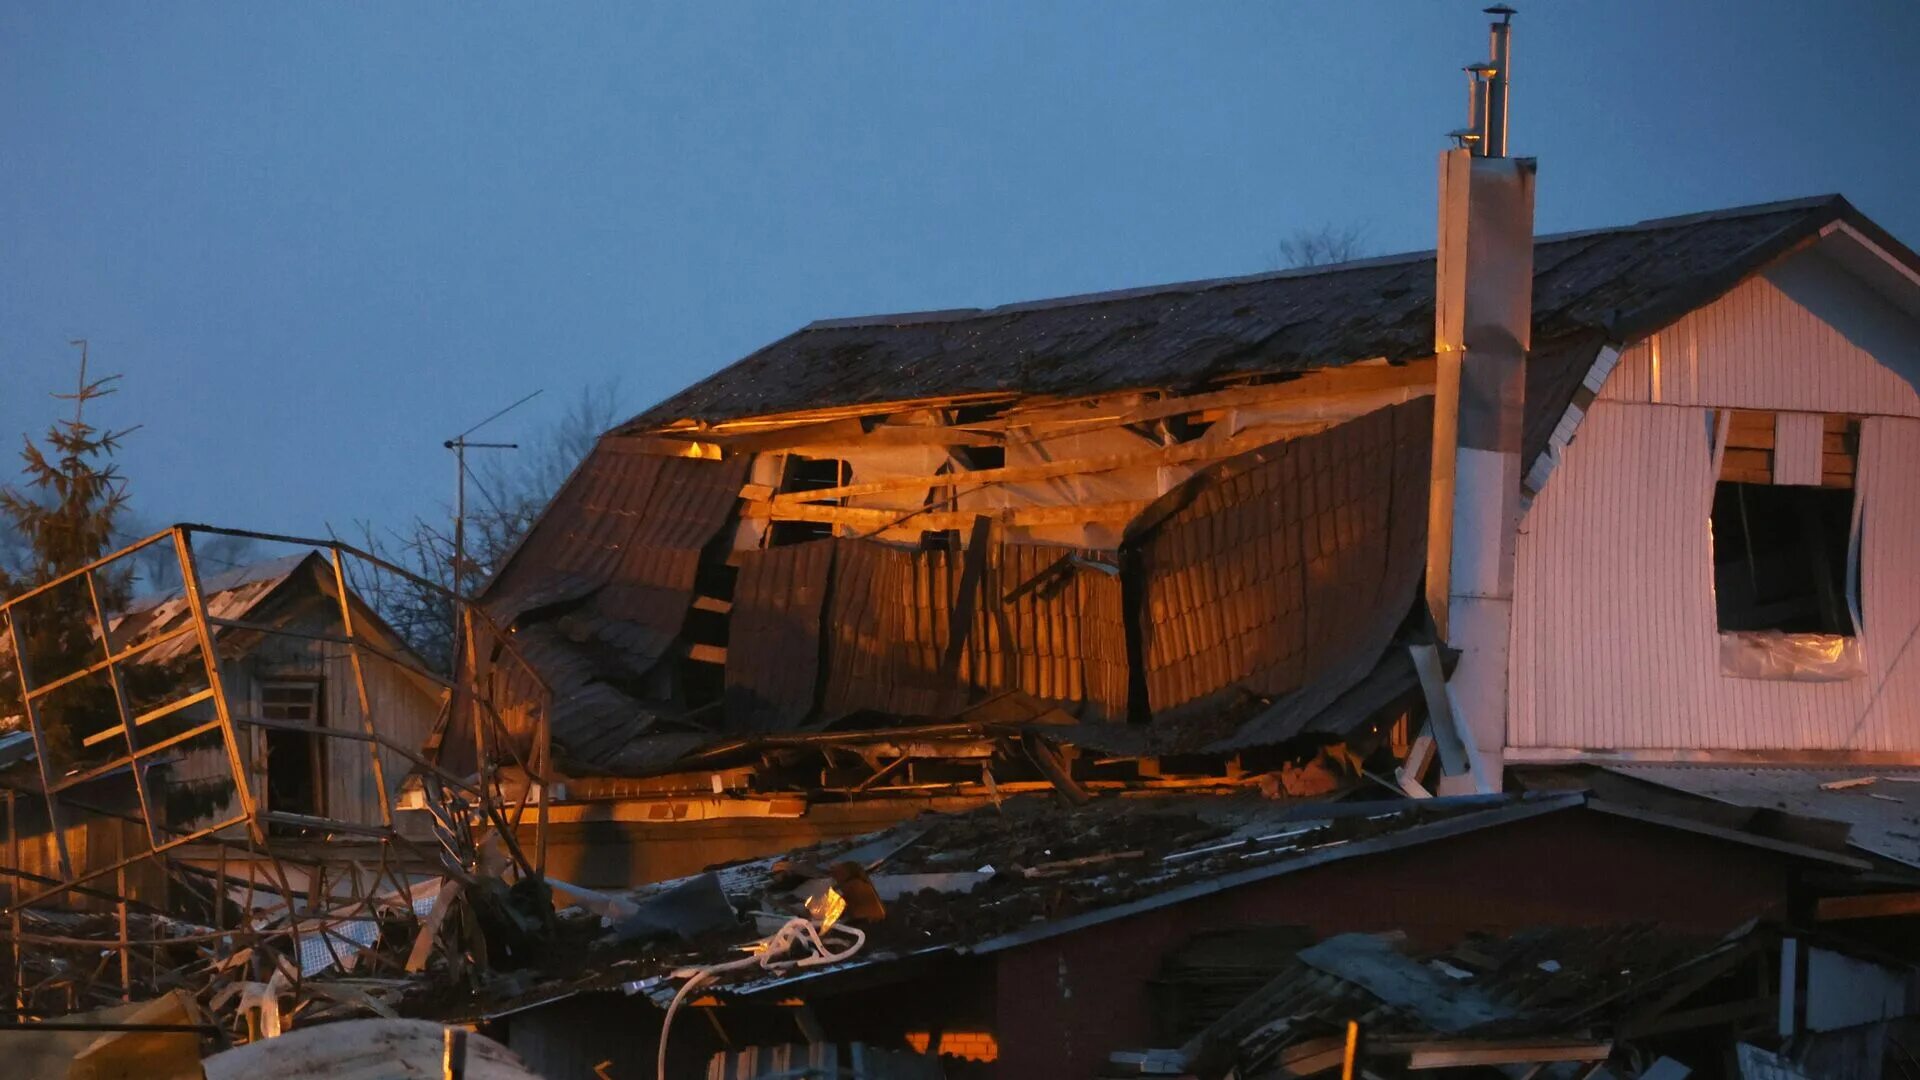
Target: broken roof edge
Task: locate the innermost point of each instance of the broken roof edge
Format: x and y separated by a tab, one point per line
1479	812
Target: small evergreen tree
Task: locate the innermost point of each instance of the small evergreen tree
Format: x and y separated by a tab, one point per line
63	517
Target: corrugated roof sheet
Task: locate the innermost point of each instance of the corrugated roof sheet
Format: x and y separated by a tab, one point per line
1283	573
600	588
1884	811
1619	282
773	636
1061	637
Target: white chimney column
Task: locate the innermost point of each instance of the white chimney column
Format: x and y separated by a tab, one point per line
1482	328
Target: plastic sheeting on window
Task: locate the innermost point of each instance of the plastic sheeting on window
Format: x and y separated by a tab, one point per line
1774	654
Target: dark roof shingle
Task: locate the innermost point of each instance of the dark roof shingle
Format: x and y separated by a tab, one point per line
1623	282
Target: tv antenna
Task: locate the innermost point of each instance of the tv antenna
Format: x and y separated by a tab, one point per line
460	444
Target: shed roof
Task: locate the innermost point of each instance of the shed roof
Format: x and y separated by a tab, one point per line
1881	806
1622	282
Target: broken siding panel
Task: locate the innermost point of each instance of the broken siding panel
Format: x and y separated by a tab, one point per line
1612	579
773	637
1615	602
1796	448
1889	493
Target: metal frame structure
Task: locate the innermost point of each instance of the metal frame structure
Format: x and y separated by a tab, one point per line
381	867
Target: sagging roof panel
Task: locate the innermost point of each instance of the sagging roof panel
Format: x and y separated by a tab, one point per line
1621	282
1281	575
600	589
773	639
1043	620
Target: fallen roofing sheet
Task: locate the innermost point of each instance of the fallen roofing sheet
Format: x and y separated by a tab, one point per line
1292	598
1622	281
1548	990
612	562
1881	805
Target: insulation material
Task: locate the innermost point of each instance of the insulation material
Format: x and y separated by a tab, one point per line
1055	441
1771	654
1283	573
1796	448
889	630
773	652
871	463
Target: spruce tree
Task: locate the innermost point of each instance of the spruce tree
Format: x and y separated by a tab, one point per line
64	516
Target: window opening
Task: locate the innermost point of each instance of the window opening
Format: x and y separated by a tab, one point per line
296	775
1781	551
809	474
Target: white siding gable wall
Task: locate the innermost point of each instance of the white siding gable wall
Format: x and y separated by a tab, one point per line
1615	642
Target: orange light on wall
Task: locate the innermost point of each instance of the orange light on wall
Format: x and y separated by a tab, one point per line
978	1046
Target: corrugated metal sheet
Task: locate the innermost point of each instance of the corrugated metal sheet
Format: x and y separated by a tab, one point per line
600	588
889	620
1884	815
1286	572
1626	280
1615	635
773	636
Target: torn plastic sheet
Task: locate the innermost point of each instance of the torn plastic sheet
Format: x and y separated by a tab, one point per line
1773	654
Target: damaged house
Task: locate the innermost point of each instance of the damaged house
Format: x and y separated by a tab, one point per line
1492	661
277	669
1603	538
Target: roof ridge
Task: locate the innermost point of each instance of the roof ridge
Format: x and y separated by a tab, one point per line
1197	285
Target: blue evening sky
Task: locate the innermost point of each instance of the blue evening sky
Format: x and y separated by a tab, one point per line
319	238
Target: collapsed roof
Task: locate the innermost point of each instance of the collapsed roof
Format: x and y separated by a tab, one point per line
1253	602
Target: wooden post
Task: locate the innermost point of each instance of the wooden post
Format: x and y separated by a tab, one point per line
13	903
120	912
360	687
126	713
39	743
197	606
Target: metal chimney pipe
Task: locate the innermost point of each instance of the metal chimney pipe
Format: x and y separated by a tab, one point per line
1500	45
1477	76
1483	325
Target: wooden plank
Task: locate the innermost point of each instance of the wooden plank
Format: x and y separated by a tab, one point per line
712	603
847	432
1464	1053
1747	462
1325	382
1870	906
707	654
871	519
1184	453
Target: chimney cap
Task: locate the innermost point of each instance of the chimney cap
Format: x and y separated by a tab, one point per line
1501	10
1482	67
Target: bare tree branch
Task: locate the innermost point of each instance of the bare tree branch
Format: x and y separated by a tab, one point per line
1323	245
